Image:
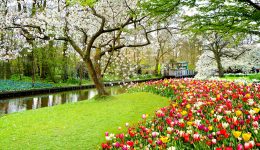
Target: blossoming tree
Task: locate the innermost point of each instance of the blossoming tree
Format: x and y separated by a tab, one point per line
91	28
244	57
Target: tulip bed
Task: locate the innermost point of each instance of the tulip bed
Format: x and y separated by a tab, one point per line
217	115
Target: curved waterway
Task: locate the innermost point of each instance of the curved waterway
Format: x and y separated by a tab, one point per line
12	105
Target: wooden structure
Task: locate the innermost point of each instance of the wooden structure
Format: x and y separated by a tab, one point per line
178	70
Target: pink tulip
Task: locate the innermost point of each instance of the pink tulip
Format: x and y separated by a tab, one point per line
117	144
124	147
154	134
232	126
206	129
210	136
106	133
239	147
159	142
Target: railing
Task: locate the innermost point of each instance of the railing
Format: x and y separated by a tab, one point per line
179	73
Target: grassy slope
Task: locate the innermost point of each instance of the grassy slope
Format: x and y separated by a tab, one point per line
75	126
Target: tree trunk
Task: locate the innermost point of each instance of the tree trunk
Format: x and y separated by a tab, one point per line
220	67
65	62
97	81
4	69
19	68
80	74
157	60
44	4
156	67
19	6
33	68
97	61
107	64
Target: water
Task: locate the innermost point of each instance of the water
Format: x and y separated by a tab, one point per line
47	100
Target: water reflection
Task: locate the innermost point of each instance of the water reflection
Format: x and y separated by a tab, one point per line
39	101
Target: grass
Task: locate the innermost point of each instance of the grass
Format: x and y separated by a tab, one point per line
250	77
75	126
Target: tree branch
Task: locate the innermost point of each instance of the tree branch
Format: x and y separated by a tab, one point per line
96	35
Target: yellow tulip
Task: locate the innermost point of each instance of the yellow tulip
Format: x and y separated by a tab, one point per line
247	95
174	105
184	112
238	113
164	139
236	134
226	85
256	110
246	136
188	106
212	111
189	123
210	128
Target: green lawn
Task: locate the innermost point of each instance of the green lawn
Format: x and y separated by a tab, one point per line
75	126
250	77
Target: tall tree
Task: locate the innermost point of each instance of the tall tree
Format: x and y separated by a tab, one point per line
216	44
222	47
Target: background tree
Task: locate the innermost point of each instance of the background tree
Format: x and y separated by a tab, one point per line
239	59
162	48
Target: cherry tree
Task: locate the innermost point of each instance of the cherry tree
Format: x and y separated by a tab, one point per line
92	29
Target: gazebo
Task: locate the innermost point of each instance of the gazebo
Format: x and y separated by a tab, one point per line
178	69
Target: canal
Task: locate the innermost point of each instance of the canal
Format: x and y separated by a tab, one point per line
12	105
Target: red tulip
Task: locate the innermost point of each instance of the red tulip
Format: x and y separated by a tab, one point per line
130	143
186	137
196	137
105	146
257	144
223	131
209	143
247	146
229	148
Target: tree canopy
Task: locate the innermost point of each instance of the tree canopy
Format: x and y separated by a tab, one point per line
232	16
